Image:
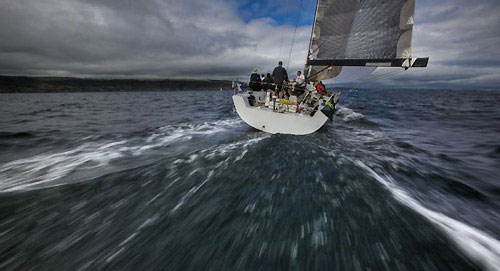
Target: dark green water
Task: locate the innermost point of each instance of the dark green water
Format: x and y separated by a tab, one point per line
400	180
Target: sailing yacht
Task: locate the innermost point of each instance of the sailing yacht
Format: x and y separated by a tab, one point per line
345	34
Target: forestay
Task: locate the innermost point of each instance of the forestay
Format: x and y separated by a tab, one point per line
361	33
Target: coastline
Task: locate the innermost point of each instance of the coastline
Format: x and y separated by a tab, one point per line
25	84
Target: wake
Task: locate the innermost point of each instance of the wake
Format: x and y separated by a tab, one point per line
477	244
45	170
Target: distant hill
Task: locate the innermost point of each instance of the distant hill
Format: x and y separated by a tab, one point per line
24	84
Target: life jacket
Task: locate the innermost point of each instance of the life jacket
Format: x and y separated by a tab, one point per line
320	88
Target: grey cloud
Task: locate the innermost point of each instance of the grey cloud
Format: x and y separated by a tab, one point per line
462	40
97	37
198	38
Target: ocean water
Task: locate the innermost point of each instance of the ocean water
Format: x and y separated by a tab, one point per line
399	180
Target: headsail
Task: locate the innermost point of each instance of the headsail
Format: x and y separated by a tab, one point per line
373	33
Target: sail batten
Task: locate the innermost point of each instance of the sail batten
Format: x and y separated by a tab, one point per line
361	33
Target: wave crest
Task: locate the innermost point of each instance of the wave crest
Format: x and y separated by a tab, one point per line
44	170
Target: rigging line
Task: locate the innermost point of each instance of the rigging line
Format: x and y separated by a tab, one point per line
283	31
381	76
419	39
375	78
414	30
294	32
348	78
307	68
318	72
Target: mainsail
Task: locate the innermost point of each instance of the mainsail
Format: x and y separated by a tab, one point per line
373	33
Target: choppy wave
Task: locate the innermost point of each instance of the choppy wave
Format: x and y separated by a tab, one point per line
207	189
482	247
348	114
15	135
44	170
221	151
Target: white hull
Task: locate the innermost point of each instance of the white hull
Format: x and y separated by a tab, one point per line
267	120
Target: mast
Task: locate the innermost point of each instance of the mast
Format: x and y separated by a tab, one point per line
306	67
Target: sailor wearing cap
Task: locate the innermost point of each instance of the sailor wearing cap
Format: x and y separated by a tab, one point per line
255	82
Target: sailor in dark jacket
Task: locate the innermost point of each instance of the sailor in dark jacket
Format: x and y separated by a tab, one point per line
255	82
279	75
267	83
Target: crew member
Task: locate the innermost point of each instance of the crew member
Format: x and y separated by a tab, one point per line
255	82
320	88
300	83
267	83
279	75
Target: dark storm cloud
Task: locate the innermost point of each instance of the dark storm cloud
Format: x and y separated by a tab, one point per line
212	39
113	37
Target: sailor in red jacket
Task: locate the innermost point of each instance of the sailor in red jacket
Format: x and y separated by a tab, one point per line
320	88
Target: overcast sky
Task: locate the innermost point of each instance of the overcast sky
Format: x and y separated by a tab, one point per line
227	39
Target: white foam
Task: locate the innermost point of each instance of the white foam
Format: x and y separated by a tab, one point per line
241	145
477	244
186	132
348	114
192	191
205	128
112	256
45	169
211	153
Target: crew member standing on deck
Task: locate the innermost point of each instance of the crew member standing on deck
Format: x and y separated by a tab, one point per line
279	75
